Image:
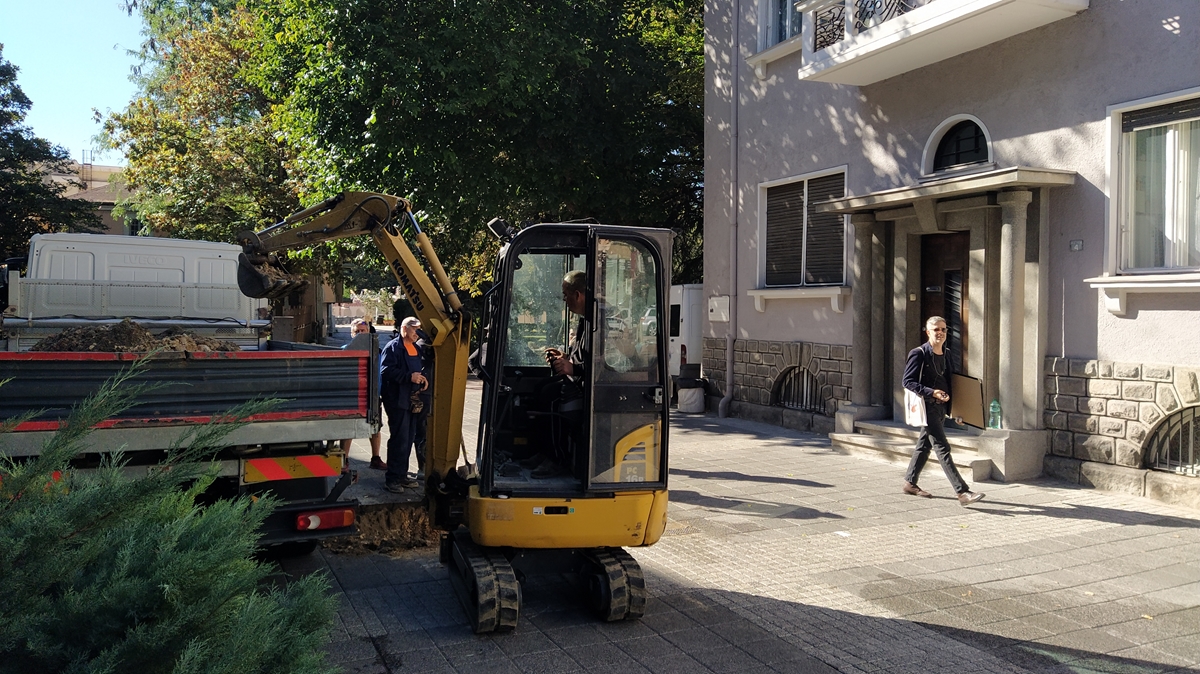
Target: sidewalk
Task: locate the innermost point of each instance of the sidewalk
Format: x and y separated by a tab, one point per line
784	556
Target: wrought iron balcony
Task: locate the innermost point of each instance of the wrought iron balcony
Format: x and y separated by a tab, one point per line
865	41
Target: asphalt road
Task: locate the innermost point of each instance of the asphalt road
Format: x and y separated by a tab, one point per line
784	556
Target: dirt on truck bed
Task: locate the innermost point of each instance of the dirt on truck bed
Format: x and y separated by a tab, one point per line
128	336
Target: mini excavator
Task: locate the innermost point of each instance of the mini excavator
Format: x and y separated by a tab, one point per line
569	470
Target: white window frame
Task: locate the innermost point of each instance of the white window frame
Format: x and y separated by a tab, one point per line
768	30
1115	284
935	139
835	293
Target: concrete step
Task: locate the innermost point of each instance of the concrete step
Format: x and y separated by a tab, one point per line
894	430
971	464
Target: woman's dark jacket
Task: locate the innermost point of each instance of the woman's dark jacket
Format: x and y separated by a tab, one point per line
920	381
395	370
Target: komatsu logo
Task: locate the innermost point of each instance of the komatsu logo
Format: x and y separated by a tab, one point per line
410	290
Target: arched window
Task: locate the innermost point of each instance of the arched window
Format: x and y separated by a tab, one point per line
1175	444
965	143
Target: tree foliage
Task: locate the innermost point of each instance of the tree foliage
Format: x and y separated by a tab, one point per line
532	111
586	109
203	160
29	202
103	572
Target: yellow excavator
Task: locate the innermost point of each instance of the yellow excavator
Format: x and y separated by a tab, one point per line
569	470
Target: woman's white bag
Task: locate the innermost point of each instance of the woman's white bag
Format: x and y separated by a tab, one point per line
914	409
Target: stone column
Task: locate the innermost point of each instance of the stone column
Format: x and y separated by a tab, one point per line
860	270
881	297
1014	212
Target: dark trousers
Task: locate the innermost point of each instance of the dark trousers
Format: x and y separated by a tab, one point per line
934	435
400	441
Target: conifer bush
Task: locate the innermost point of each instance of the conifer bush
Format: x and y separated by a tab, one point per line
107	570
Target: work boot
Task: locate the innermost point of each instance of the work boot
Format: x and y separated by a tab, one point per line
394	487
967	498
378	463
914	490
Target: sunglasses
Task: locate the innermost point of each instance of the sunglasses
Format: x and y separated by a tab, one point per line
937	329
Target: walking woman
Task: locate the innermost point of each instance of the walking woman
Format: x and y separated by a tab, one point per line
406	397
927	373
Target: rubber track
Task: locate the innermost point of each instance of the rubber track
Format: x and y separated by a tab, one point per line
484	607
618	604
508	592
634	581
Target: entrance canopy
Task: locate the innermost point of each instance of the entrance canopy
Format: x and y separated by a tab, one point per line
1013	178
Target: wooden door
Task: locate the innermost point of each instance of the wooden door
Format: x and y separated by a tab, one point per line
945	260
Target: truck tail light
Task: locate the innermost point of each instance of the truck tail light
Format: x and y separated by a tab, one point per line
683	354
334	518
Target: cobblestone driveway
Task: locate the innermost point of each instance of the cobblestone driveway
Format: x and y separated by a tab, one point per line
783	556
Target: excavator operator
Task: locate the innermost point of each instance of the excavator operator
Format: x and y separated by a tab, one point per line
573	364
564	393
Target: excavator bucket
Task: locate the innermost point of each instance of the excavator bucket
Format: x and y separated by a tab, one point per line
261	276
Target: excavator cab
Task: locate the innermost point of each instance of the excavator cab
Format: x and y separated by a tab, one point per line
597	434
571	469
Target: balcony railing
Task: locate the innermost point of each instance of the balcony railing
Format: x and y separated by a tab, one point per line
845	41
835	20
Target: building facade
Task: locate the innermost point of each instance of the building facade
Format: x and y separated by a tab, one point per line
1028	169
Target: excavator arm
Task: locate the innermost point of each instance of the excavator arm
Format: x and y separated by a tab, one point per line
386	219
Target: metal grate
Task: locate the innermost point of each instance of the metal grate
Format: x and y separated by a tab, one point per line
799	390
830	26
871	13
1173	446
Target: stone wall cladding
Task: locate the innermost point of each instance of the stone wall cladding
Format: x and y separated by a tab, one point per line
1103	411
758	365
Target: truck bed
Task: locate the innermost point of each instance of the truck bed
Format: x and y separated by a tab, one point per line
326	395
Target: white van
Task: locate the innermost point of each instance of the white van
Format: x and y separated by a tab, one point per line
685	320
85	279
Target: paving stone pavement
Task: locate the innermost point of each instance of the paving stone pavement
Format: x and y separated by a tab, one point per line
783	556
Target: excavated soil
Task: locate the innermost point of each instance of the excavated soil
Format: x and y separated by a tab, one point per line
388	528
128	336
273	273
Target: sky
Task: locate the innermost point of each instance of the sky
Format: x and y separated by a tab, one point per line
72	56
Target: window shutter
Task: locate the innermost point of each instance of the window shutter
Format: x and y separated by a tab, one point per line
785	234
826	256
1162	114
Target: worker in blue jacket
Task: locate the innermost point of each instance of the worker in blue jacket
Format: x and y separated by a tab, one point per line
406	396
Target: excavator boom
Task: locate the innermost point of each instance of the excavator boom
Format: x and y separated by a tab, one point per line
385	219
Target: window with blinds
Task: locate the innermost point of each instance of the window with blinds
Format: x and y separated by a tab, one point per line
1160	187
804	247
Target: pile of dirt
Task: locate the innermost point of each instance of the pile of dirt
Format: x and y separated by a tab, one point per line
387	528
128	336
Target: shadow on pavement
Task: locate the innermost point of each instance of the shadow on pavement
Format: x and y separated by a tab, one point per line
751	508
399	614
1081	512
730	475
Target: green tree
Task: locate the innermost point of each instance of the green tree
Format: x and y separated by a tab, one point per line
203	160
532	111
590	109
103	572
29	202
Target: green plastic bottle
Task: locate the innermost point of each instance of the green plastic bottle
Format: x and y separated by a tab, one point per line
994	414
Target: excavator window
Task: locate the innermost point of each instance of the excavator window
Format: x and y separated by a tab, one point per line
627	375
537	317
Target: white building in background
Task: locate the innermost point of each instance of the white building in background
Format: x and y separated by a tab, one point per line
1028	169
